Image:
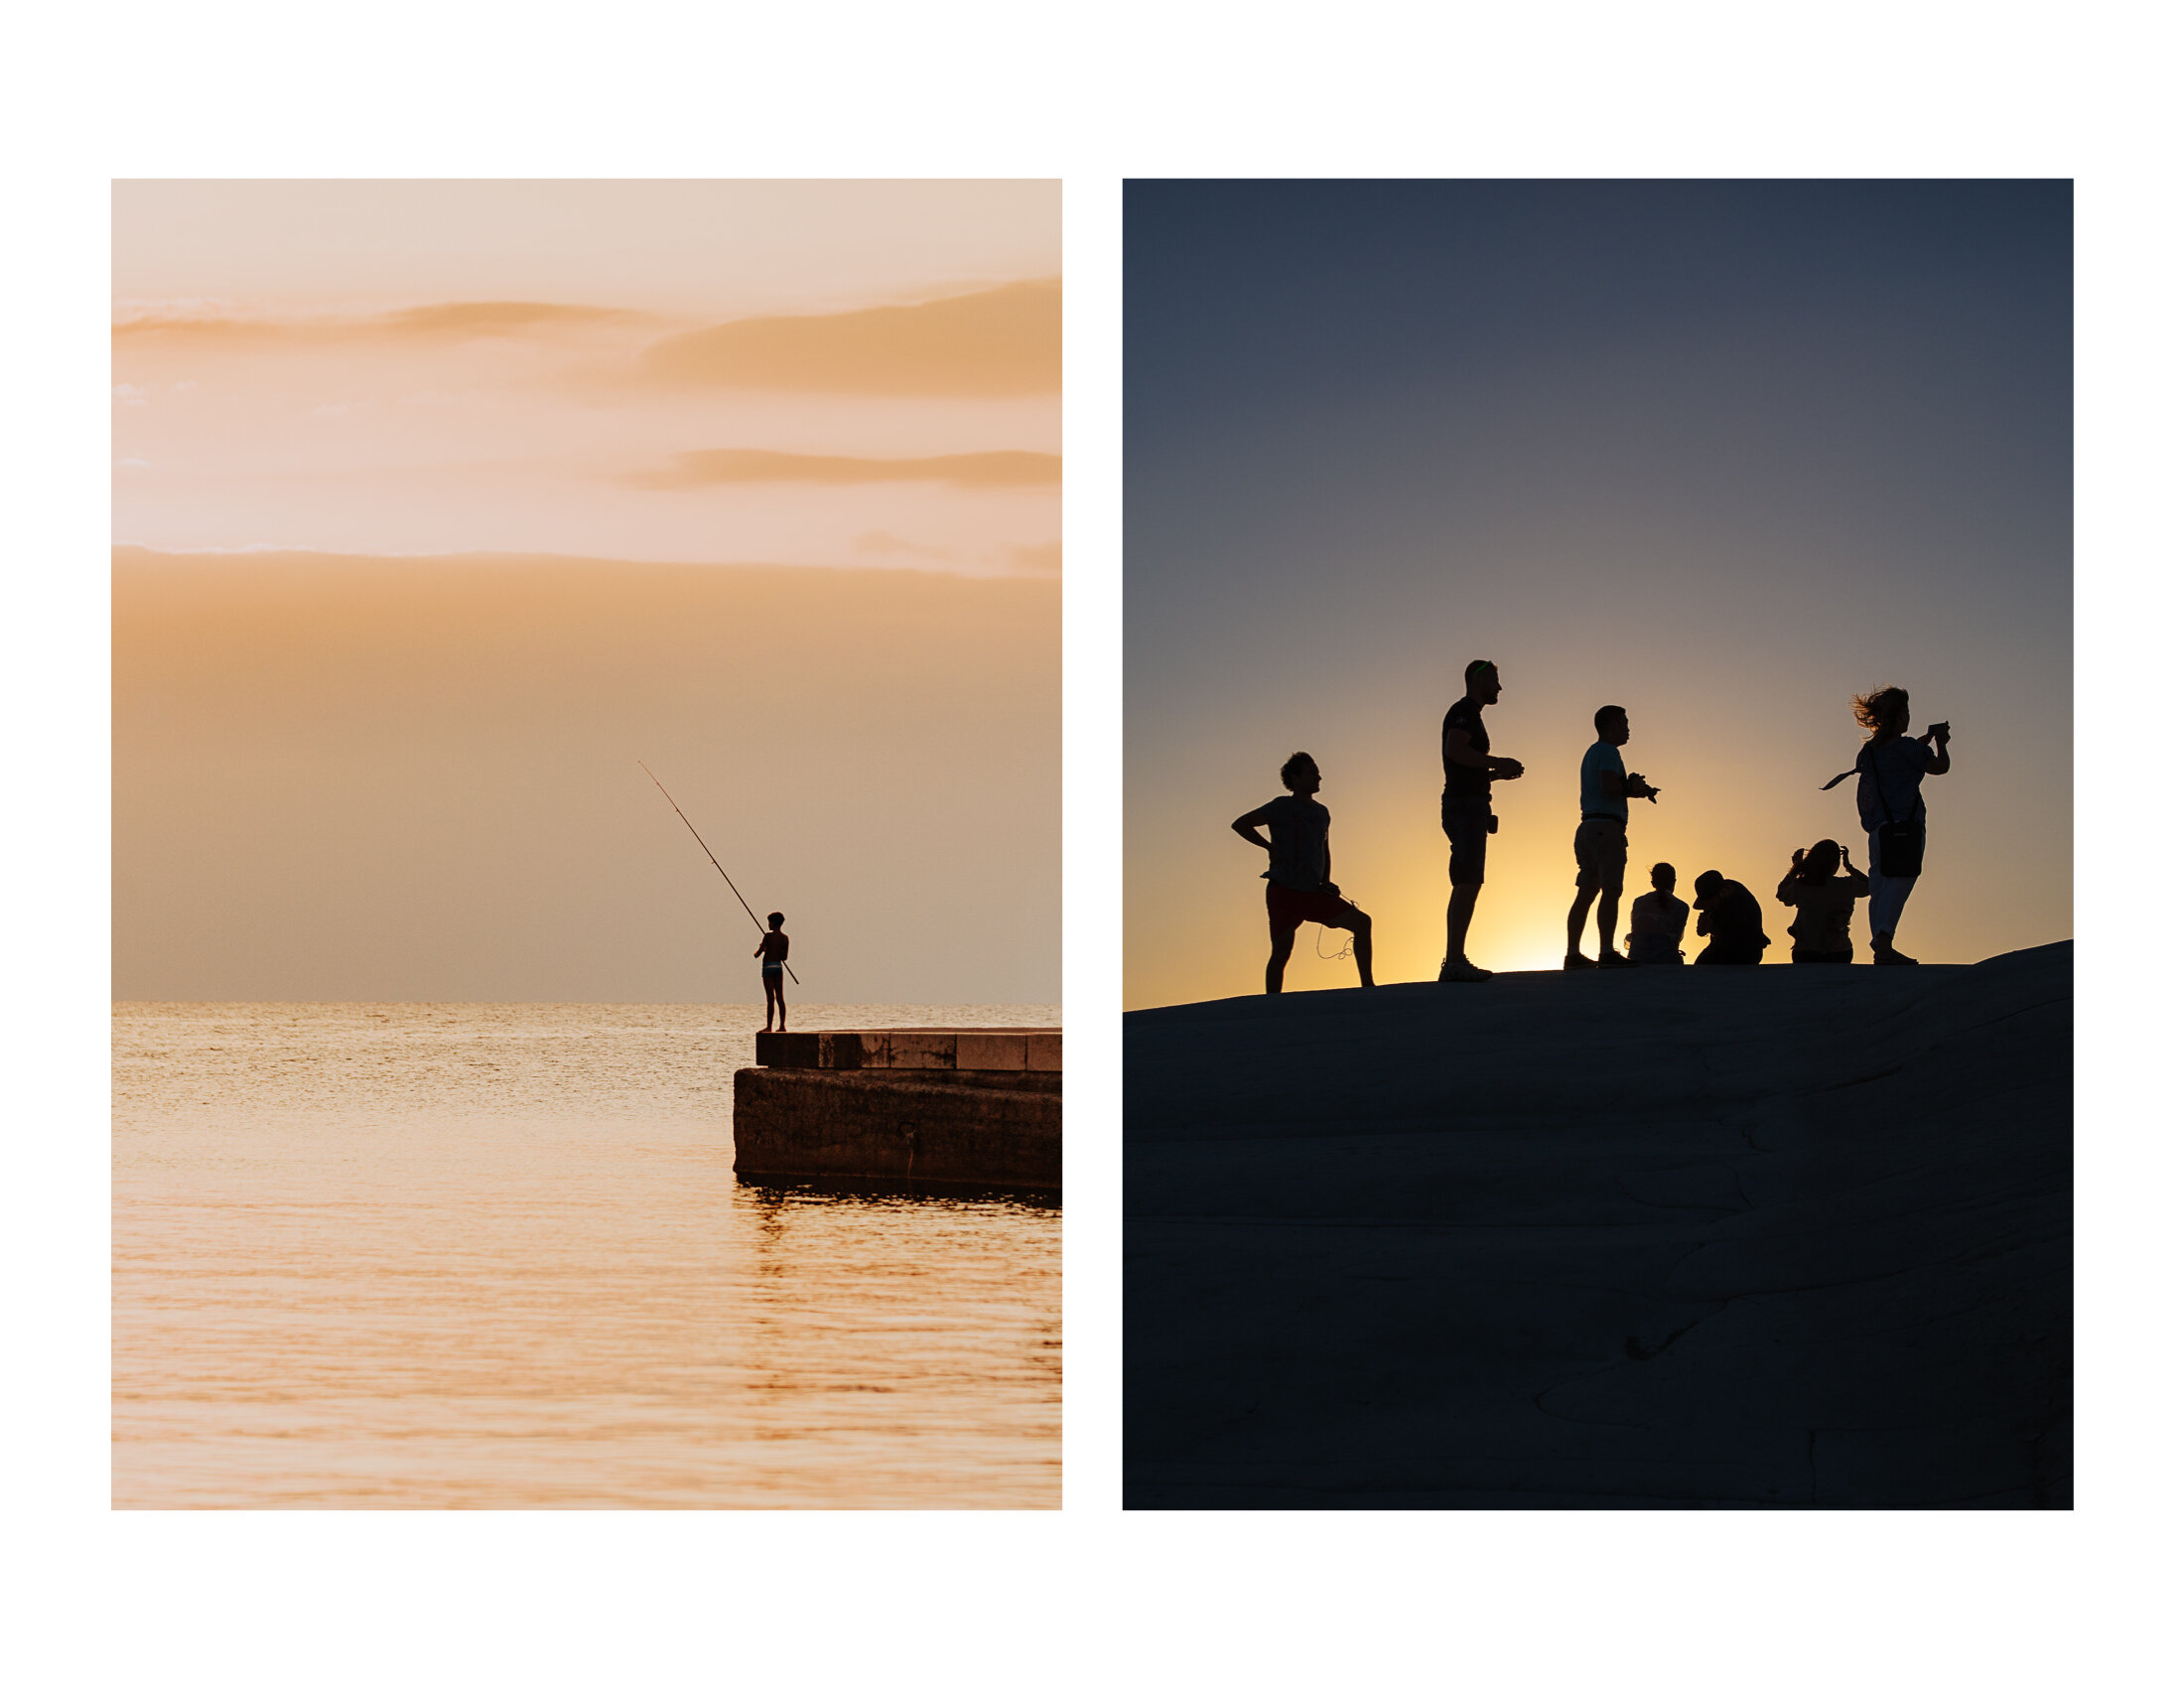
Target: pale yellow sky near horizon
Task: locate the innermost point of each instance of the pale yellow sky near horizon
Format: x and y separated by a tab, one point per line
431	367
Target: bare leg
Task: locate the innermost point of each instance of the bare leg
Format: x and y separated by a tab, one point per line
1283	942
1360	929
1611	905
1577	911
1462	899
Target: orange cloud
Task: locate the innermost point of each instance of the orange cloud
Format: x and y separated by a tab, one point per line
1004	341
460	320
1036	559
754	467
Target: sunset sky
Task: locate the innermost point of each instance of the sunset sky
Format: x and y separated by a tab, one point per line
1720	453
438	505
675	371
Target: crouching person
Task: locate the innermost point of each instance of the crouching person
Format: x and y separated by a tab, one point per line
1729	916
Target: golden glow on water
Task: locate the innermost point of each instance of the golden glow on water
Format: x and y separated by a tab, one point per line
495	1255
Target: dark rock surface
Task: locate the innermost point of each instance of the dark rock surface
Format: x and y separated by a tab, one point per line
1695	1237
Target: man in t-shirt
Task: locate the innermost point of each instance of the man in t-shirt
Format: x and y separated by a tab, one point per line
1603	846
1299	886
1466	806
1728	915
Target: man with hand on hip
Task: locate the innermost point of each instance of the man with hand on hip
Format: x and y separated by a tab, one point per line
1298	864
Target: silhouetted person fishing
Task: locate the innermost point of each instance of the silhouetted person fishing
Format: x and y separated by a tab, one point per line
1467	808
1299	883
1729	916
773	952
1891	807
1604	791
1824	900
777	963
1656	920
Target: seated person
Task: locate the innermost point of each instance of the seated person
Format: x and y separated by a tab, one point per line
1656	920
1729	915
1822	901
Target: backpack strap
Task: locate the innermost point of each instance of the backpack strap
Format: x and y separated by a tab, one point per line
1880	789
1858	766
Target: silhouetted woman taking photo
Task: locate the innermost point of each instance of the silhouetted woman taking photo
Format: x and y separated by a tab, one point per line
1822	901
1890	808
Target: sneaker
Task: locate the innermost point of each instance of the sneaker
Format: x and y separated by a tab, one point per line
1461	971
1573	963
1894	959
1608	958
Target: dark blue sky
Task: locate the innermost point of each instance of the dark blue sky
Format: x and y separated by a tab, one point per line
1720	451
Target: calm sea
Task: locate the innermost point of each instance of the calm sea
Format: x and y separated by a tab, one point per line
480	1254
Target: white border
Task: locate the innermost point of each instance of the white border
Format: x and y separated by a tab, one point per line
1092	844
1093	95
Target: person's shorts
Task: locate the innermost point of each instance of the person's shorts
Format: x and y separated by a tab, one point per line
1287	909
1602	849
770	971
1465	820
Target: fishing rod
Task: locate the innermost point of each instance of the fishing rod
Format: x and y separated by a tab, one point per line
716	861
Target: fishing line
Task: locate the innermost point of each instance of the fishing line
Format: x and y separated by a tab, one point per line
716	861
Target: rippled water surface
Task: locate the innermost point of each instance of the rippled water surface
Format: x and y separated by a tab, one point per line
496	1255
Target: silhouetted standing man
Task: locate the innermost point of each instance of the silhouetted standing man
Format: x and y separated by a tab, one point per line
1603	845
1298	887
1466	806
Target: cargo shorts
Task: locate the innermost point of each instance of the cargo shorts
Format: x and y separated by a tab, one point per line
1603	848
1466	821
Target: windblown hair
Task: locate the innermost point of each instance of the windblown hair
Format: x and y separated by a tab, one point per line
1293	770
1605	713
1876	708
1827	851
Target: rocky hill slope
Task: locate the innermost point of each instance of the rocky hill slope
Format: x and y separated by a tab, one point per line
1675	1237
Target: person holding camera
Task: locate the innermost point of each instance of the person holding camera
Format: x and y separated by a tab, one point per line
1892	808
1822	901
1604	791
1467	808
1298	886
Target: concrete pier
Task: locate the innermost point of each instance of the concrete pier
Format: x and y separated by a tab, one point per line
932	1104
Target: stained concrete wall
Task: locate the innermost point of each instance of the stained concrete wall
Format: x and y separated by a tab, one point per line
1696	1237
982	1128
992	1049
